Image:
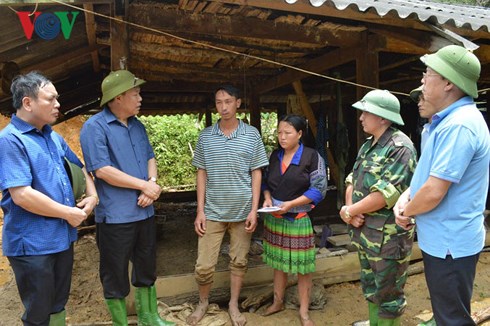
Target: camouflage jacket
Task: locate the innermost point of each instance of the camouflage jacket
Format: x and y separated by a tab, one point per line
387	167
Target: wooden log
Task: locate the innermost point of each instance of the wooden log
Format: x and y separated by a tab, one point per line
339	240
482	316
258	295
177	289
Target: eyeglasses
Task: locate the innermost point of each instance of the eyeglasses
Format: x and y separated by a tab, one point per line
426	74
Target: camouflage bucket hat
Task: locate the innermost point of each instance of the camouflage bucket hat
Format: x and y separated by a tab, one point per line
77	179
118	82
458	65
381	103
415	94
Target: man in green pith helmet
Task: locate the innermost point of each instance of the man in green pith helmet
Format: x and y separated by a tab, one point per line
448	191
382	171
425	112
119	155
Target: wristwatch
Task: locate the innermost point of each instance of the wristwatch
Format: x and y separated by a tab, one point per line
153	179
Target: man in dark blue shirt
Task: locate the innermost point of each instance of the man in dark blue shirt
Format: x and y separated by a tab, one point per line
118	153
40	212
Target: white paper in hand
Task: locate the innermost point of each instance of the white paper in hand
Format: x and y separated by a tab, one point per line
269	209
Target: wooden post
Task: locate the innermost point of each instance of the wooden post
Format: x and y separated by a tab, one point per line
209	117
308	112
119	38
255	110
90	28
305	106
367	73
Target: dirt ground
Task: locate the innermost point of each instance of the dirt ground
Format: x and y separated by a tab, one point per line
176	255
344	301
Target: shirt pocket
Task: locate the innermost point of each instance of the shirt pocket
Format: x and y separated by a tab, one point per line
241	161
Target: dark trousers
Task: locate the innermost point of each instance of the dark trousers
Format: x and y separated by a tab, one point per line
44	284
450	283
120	243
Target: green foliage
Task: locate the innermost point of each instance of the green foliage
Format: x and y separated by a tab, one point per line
269	131
172	138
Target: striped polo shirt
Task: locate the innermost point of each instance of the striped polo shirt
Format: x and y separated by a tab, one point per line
229	161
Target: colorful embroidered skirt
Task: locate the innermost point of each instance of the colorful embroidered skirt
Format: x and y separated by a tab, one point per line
289	246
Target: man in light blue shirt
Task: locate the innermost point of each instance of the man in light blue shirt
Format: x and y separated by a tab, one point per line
448	191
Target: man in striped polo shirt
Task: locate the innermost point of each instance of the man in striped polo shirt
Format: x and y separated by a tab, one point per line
229	157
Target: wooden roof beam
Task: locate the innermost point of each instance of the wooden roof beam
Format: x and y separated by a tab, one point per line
279	48
46	64
304	7
180	86
186	69
399	40
402	40
161	18
330	60
483	54
50	2
76	89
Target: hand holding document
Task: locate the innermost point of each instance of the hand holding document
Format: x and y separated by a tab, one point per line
269	209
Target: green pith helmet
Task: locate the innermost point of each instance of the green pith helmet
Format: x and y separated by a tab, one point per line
415	94
77	179
381	103
458	65
118	82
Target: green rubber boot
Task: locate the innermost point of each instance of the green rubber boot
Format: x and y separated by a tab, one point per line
373	313
430	322
117	308
147	308
58	319
389	322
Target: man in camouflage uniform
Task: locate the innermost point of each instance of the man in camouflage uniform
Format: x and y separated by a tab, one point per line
382	171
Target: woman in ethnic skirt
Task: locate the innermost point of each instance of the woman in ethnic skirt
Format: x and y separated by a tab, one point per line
295	181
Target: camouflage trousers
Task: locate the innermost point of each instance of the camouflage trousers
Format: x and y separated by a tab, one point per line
383	281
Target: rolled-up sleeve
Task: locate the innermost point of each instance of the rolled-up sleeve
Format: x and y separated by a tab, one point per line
318	181
396	172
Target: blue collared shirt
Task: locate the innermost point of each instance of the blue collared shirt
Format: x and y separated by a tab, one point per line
108	142
317	179
30	157
458	151
424	135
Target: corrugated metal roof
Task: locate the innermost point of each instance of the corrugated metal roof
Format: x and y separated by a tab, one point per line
456	15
